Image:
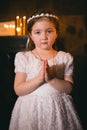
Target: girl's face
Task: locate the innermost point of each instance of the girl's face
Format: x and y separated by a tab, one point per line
43	34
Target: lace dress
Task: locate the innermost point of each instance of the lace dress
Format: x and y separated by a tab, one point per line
45	108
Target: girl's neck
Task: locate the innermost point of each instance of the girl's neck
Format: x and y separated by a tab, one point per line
44	54
44	51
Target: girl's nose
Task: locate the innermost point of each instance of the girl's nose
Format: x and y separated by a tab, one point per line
44	35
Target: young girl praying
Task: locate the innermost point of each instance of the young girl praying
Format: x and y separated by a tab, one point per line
44	80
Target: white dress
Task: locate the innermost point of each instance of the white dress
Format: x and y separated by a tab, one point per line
45	108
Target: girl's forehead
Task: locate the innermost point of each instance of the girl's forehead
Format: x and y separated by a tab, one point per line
43	22
42	27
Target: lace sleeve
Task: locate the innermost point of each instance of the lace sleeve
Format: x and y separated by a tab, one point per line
20	62
69	64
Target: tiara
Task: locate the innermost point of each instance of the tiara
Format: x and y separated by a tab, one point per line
42	15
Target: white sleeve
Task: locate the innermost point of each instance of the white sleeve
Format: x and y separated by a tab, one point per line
20	62
69	64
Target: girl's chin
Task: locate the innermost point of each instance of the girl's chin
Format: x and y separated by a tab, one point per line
44	47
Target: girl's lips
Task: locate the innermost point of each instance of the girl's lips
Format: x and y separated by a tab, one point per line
45	42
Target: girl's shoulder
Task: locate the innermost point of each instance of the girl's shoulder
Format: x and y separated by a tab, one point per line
24	54
64	54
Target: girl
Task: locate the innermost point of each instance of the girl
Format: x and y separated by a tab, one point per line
43	80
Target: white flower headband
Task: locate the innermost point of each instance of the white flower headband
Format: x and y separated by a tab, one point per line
41	15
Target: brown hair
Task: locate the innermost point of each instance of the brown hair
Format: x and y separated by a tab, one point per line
30	45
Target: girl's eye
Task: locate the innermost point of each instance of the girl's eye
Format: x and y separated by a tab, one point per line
49	31
38	32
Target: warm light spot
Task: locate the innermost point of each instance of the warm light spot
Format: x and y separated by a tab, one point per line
24	17
17	17
18	29
9	26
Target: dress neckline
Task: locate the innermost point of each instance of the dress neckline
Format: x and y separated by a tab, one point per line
38	58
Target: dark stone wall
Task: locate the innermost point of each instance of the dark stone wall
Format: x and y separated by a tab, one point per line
80	87
7	95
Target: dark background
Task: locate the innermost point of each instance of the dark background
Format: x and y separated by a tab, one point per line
9	9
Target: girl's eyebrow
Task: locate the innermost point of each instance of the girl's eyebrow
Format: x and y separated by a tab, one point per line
49	28
41	29
36	30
